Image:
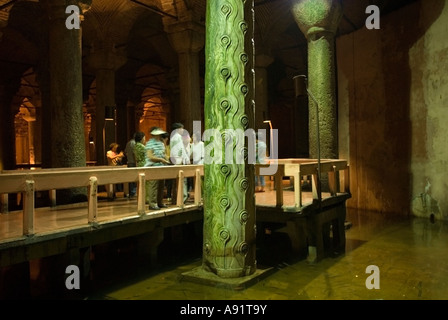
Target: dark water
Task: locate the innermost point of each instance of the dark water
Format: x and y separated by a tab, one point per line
410	254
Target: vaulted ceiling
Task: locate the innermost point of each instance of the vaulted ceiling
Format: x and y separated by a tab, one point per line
135	30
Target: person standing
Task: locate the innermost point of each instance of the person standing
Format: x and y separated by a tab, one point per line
198	154
197	149
169	182
129	152
155	156
179	155
261	148
139	149
114	159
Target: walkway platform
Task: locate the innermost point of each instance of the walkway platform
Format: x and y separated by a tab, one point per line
34	233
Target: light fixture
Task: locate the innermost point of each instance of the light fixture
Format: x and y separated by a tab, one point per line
271	142
109	113
301	89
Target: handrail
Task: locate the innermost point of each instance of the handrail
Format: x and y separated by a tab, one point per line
298	168
28	182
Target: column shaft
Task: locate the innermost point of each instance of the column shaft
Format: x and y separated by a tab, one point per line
319	20
322	75
67	121
7	130
229	204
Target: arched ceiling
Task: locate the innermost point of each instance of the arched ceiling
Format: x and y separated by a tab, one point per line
135	29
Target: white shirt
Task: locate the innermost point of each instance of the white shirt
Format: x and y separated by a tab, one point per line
198	152
178	152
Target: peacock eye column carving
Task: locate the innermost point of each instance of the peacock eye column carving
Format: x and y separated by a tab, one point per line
229	202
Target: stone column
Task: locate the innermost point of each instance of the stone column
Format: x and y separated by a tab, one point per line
229	202
66	120
7	131
262	61
65	66
30	118
105	61
187	38
319	20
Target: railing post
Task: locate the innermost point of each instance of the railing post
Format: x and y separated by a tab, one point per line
28	208
180	189
93	200
278	181
141	194
4	203
316	186
297	189
346	182
197	188
52	195
332	181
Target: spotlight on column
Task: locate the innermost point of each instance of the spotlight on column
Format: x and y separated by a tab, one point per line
300	85
109	113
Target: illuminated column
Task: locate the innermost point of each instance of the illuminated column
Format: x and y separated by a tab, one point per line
319	20
187	38
229	202
65	84
30	118
105	61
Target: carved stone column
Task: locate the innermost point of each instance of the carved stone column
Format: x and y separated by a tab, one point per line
229	202
319	20
187	38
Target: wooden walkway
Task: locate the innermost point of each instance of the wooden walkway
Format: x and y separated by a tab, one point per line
33	233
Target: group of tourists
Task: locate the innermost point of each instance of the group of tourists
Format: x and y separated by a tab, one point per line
161	149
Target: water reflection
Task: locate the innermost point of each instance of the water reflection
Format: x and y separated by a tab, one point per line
409	253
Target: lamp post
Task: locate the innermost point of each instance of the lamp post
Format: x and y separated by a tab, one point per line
271	139
109	116
301	88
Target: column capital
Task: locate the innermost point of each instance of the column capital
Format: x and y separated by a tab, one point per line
316	16
186	36
105	57
56	8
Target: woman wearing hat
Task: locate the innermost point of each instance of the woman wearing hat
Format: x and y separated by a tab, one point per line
155	156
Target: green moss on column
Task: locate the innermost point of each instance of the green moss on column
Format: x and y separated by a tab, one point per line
229	203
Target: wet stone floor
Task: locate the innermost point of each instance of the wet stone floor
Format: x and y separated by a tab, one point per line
409	255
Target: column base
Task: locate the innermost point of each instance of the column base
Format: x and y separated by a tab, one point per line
201	276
